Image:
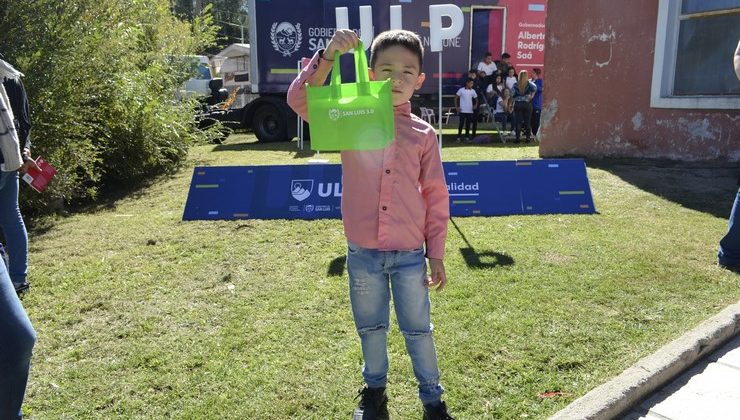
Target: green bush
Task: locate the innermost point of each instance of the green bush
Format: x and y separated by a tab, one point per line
101	85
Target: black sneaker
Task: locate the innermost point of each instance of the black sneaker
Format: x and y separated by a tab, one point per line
21	288
437	413
373	404
734	268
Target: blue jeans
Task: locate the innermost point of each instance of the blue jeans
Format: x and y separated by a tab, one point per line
17	338
373	275
13	228
729	246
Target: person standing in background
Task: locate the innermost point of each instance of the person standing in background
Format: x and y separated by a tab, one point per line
522	95
17	336
536	101
729	246
11	220
466	101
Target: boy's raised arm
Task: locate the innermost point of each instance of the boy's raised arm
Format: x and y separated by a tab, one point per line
316	71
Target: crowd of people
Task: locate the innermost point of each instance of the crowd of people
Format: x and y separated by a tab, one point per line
494	87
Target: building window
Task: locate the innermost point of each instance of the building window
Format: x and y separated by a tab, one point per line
242	64
695	43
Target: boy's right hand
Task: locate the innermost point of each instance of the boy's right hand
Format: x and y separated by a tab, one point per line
342	41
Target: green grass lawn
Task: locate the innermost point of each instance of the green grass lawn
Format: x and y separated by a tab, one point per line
141	315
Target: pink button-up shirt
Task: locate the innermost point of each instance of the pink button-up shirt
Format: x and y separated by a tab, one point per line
395	198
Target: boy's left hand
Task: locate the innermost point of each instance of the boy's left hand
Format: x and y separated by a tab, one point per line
438	277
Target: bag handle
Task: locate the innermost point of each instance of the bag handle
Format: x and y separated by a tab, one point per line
336	76
361	70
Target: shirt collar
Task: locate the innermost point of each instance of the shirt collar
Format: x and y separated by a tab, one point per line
403	109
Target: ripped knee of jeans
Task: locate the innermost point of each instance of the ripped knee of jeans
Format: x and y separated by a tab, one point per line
417	335
374	329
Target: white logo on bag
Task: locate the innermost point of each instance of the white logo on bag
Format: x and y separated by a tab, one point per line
301	188
335	114
286	38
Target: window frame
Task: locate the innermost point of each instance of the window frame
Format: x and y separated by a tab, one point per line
664	66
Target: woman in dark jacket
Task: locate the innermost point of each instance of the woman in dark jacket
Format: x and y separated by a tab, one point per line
522	94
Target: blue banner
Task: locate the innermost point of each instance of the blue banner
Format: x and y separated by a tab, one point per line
491	188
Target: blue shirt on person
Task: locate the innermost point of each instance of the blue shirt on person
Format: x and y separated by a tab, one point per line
537	101
522	96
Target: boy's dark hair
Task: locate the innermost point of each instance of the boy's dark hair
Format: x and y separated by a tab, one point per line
469	79
537	71
402	37
505	55
488	54
473	71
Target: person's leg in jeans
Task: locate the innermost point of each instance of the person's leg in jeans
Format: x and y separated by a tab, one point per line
411	301
729	245
370	295
461	117
518	119
475	116
468	118
17	338
527	117
14	230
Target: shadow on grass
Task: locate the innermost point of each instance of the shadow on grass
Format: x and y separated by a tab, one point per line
475	259
708	187
336	266
108	197
479	259
283	146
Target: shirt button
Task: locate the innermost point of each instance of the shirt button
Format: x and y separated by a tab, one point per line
385	208
387	171
315	66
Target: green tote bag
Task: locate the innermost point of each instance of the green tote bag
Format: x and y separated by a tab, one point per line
351	116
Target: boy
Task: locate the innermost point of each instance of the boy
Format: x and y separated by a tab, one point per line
393	201
488	67
466	102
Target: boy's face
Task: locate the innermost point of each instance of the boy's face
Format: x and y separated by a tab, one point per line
401	66
469	84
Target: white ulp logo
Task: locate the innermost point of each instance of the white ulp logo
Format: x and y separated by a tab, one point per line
301	188
286	38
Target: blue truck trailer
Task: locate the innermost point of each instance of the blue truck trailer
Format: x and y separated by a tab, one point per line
282	32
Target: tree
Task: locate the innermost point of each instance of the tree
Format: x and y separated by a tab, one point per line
229	15
101	83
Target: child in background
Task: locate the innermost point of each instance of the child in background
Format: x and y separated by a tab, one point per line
466	101
511	79
504	110
394	201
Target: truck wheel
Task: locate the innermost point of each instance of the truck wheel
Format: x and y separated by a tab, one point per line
269	124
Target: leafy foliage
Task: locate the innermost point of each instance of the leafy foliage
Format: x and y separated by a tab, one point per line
229	15
102	85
